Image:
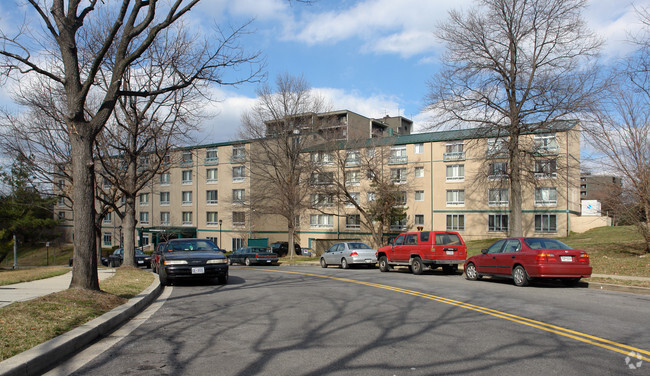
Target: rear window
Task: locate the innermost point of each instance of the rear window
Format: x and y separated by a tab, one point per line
543	243
448	239
259	250
358	246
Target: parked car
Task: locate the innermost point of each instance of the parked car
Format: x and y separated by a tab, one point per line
349	253
141	258
155	257
253	255
523	259
282	248
424	250
192	259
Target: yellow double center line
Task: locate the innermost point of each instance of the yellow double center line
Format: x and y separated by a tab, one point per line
578	336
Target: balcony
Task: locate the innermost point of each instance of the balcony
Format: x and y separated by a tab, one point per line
238	159
211	161
455	156
394	160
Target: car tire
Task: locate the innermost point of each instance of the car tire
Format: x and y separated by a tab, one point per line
344	263
520	276
323	263
417	267
383	264
470	272
247	261
223	279
450	269
229	261
569	282
162	275
112	262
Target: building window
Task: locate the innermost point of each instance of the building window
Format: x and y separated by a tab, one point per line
323	178
353	221
108	218
144	218
419	219
498	196
61	215
186	158
187	218
238	196
400	198
455	197
456	172
372	196
61	201
321	220
418	148
237	243
353	158
352	178
211	197
106	184
398	223
397	155
238	174
164	198
545	196
211	175
61	184
321	157
212	218
545	223
108	239
454	152
187	198
211	156
497	147
144	199
356	197
145	239
164	178
419	172
455	222
497	170
164	218
238	218
398	175
238	153
370	152
546	168
498	223
546	143
419	195
187	177
321	200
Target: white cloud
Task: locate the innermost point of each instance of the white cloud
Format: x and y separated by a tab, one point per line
223	117
371	106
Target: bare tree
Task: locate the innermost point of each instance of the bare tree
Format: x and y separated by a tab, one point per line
282	123
68	58
514	67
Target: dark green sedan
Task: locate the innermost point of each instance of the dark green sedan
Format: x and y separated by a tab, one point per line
253	255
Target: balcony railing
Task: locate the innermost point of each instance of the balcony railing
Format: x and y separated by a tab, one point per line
454	156
398	160
212	161
238	159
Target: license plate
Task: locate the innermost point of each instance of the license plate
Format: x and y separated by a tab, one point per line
199	270
140	262
268	260
566	258
450	252
368	261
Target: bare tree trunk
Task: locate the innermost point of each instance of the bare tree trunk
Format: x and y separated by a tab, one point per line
84	273
290	246
129	225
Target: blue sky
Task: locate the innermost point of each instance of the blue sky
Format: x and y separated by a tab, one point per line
373	57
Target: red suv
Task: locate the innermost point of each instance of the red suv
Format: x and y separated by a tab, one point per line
424	250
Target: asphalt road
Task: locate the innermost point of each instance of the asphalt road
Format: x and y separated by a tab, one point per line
313	321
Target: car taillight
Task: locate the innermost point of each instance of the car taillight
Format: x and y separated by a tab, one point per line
584	258
545	257
354	253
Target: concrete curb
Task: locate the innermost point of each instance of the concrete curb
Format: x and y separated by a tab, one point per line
42	357
618	288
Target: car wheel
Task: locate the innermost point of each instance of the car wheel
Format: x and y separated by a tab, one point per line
383	264
417	267
570	281
162	275
450	269
247	261
113	264
471	273
229	261
520	276
344	263
323	263
223	279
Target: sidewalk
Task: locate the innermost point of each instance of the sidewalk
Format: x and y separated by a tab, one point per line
19	292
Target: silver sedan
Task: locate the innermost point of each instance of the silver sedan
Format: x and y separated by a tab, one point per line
349	253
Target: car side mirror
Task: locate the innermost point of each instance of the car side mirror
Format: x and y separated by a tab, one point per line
484	251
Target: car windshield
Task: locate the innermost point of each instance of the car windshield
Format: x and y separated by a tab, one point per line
358	246
193	245
543	243
139	252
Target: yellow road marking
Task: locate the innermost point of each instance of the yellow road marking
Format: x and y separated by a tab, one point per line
582	337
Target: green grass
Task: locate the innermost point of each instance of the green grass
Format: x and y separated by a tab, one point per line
29	255
8	277
24	325
612	250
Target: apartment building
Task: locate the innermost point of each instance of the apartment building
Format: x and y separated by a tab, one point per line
451	180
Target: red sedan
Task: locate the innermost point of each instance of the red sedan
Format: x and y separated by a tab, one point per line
523	259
